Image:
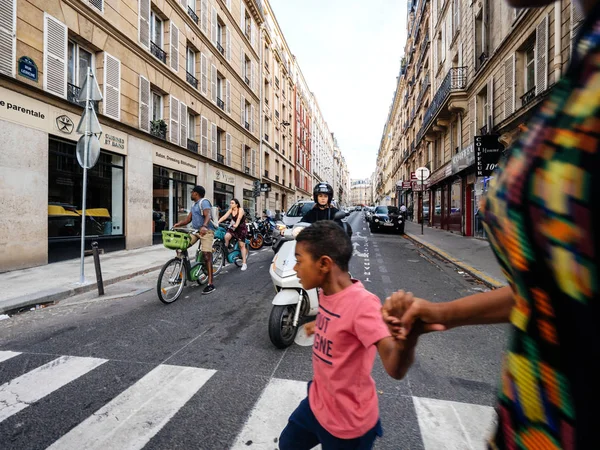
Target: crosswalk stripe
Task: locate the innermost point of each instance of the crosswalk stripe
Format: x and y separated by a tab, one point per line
270	414
19	393
4	355
132	418
453	425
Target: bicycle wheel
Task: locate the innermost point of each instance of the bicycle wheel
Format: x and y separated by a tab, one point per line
218	258
171	280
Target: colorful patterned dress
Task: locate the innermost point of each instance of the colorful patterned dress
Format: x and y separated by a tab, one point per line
543	219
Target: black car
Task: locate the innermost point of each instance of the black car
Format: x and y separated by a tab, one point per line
387	217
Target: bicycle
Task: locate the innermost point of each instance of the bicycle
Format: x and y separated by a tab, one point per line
223	255
176	272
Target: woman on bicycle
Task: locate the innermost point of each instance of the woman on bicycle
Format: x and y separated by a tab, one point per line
237	228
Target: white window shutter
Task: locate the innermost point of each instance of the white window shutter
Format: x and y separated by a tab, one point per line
55	56
490	93
242	62
213	26
174	120
203	73
253	162
228	44
242	15
577	18
144	23
541	56
183	124
243	111
228	149
252	34
8	39
252	124
144	114
228	3
509	86
244	165
98	4
204	134
174	40
213	83
473	115
213	136
253	80
227	97
205	17
112	87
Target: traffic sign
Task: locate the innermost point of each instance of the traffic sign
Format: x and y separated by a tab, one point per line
422	173
93	152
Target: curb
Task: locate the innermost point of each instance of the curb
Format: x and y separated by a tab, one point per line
489	281
62	294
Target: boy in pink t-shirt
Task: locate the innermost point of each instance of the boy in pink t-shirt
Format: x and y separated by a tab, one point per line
341	410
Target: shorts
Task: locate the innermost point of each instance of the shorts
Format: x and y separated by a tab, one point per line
303	432
206	241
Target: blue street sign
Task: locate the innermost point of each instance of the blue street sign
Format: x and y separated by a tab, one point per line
28	68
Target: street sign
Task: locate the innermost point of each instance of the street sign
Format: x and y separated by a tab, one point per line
265	187
28	68
422	173
487	154
95	94
93	147
89	122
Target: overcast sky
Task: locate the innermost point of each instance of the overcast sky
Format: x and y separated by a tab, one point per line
349	52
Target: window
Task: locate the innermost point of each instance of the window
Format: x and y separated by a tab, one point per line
529	68
220	145
191	61
191	129
221	37
481	54
156	31
483	111
80	60
171	201
156	106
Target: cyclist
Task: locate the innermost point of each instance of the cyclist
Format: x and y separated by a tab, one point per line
200	216
237	228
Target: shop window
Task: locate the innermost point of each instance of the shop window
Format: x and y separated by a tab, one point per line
249	202
223	194
104	208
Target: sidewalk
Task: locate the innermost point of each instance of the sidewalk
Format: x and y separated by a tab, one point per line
469	254
57	281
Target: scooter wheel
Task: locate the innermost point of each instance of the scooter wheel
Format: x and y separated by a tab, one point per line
281	331
257	242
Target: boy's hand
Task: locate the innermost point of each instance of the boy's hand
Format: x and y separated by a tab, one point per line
309	328
401	311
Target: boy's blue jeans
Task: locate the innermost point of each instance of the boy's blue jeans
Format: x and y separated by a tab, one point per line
304	432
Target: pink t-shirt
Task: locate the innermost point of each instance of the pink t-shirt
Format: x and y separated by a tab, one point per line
342	395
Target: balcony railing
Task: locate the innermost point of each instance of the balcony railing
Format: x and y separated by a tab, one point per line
158	52
266	174
247	170
191	79
247	126
73	93
193	15
220	48
528	96
247	80
276	146
455	80
277	178
220	103
266	137
220	158
192	146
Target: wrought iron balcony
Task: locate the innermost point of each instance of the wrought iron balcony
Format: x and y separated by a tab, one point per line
276	146
247	170
220	103
220	48
277	178
193	15
455	80
528	96
266	101
191	79
192	146
247	126
266	174
247	80
266	137
158	52
73	93
220	158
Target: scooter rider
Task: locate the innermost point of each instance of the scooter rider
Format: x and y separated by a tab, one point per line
323	209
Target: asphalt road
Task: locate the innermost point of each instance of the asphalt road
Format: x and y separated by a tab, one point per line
130	334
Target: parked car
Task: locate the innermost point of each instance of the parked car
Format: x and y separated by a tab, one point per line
387	217
369	213
296	212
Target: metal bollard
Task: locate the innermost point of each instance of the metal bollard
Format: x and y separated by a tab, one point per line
98	269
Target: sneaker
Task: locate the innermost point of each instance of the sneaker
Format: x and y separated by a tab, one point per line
244	267
209	289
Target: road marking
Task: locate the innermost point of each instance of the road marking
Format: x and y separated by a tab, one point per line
270	415
7	355
137	414
386	279
454	425
382	269
21	392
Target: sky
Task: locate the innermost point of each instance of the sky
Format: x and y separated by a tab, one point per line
349	52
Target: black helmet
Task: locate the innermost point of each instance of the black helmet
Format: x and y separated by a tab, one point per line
323	188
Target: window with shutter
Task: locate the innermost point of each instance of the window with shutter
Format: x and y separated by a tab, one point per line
242	15
228	149
144	23
473	116
227	97
252	120
144	114
204	73
174	119
112	87
243	111
183	124
174	41
55	56
509	86
252	34
253	80
253	162
213	83
204	136
541	56
577	18
213	26
8	40
205	17
98	4
244	157
490	93
213	136
228	44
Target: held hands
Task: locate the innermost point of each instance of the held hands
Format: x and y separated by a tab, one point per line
403	313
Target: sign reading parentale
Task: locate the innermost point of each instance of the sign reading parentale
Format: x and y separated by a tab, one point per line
23	110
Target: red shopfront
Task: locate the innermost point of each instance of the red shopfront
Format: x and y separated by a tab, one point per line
446	200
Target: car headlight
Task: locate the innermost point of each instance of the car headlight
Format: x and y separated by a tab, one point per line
296	231
376	219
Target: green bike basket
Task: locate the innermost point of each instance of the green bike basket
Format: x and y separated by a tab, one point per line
176	240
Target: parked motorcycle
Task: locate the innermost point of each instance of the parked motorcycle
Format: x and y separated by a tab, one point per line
254	235
291	304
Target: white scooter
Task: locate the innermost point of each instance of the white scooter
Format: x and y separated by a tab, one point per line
292	304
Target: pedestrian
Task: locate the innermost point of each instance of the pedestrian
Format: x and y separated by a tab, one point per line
200	216
341	409
541	215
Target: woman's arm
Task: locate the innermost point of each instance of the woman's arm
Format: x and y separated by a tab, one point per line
239	219
224	216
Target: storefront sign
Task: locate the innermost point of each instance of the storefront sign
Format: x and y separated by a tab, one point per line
487	154
113	141
28	68
22	109
172	160
406	185
224	177
440	174
463	159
